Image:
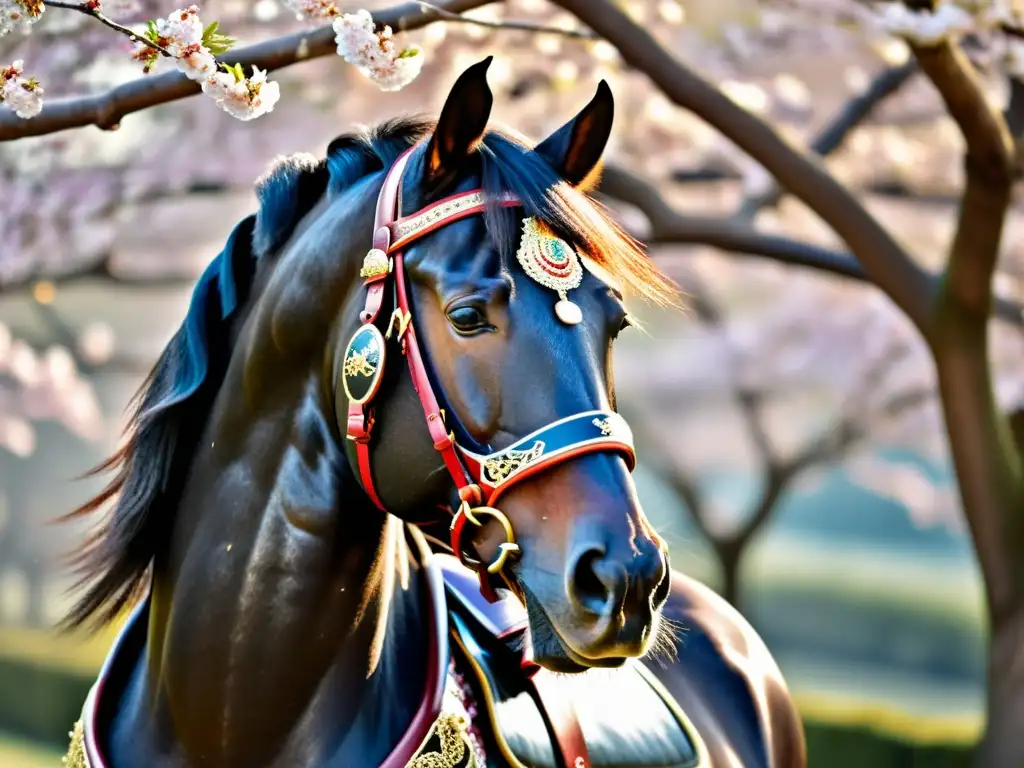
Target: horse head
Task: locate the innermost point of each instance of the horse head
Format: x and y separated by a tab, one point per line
507	322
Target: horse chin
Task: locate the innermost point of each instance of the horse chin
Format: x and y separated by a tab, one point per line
550	650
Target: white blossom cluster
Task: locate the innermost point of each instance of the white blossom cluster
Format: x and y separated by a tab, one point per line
952	19
374	53
19	14
926	27
312	9
23	95
240	96
183	35
195	47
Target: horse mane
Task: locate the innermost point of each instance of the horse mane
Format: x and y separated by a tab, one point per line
169	412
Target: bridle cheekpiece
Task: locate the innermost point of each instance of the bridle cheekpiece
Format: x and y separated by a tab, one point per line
479	479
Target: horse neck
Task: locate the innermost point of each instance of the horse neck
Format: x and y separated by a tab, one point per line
286	603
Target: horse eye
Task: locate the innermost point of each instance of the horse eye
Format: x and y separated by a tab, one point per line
467	320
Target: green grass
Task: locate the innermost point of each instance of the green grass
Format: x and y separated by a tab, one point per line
925	586
76	653
15	753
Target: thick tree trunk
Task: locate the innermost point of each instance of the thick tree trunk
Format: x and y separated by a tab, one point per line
1003	742
730	560
988	465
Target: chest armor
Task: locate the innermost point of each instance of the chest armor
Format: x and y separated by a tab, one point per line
626	717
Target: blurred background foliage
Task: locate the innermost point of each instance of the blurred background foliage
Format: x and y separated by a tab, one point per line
792	450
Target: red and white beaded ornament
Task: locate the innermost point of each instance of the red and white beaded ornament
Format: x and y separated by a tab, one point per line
553	263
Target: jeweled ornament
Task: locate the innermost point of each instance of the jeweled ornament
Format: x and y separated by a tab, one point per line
553	263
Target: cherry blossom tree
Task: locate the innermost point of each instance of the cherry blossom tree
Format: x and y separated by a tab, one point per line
928	364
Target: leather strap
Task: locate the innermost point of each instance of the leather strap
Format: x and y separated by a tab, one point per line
375	285
360	415
440	214
440	435
438	654
391	235
561	713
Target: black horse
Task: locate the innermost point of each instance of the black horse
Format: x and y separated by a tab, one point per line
281	503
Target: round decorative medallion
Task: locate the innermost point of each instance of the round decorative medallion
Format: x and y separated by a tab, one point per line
553	263
363	364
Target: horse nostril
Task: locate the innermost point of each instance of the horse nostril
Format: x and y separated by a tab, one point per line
596	584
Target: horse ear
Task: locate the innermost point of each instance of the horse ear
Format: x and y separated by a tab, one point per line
575	149
462	122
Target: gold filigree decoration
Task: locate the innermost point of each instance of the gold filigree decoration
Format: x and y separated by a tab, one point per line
433	215
358	362
504	465
450	730
375	264
76	756
605	425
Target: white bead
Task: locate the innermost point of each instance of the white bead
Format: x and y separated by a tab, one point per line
568	313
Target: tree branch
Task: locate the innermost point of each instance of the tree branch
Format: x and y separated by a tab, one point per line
669	227
989	468
885	262
521	26
749	402
989	166
827	447
887	82
686	489
106	110
95	13
1013	114
881	186
684	486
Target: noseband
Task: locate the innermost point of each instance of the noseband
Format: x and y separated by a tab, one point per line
479	479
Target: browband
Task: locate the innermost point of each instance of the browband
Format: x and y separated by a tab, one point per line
479	479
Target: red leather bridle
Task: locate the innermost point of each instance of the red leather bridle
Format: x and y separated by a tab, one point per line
479	479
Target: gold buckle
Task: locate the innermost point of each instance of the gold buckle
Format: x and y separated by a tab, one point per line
403	321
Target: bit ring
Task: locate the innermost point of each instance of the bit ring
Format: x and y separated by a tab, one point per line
508	548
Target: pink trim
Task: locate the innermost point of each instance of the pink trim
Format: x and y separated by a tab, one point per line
94	758
437	669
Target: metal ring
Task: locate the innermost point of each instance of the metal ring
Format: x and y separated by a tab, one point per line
506	549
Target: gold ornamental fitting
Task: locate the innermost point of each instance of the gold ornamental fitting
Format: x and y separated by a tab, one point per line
375	264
